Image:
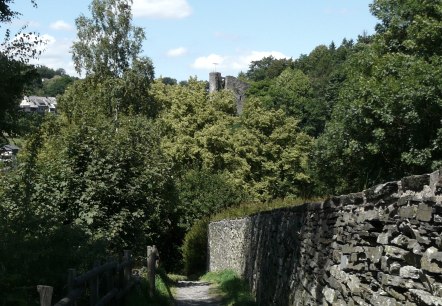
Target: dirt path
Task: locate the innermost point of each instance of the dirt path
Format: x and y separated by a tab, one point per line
195	294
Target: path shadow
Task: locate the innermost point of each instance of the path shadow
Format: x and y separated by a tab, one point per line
190	284
211	302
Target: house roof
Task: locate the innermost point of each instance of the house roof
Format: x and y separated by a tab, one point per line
10	147
35	101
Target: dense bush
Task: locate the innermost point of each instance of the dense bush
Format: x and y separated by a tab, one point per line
194	248
203	193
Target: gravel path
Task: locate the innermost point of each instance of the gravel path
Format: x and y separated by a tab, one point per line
195	294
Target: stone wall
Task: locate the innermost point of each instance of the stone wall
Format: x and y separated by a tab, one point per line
382	246
238	87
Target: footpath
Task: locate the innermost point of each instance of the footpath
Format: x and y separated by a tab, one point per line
195	294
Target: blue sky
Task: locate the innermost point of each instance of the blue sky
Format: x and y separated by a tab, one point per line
185	37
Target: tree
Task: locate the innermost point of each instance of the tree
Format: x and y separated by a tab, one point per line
107	43
267	68
107	49
386	121
275	151
292	92
22	45
168	81
203	192
13	78
6	13
409	26
16	50
263	150
56	85
111	96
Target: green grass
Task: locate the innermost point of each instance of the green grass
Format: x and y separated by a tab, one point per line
175	278
140	294
234	290
249	208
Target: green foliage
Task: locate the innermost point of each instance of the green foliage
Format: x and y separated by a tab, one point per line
54	86
306	88
292	92
168	81
109	97
107	42
267	68
21	46
16	50
263	150
409	26
42	244
385	123
49	73
13	79
114	183
275	152
48	82
202	193
194	248
7	13
236	292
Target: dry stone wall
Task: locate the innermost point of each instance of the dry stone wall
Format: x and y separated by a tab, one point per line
382	246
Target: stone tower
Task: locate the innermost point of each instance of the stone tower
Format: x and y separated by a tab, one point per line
215	81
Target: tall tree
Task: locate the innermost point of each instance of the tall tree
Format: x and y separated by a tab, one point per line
409	26
107	43
386	122
108	50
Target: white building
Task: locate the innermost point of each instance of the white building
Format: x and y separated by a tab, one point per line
39	104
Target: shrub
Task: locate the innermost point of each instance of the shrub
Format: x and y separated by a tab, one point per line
194	248
203	193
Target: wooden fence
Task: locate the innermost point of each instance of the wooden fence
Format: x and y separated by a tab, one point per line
106	284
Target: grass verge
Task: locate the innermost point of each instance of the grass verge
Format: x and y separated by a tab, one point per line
234	290
140	294
250	208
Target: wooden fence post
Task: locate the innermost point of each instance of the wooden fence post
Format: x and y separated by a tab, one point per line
94	287
45	295
71	276
110	282
127	269
152	256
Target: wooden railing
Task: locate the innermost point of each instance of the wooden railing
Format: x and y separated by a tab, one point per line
108	283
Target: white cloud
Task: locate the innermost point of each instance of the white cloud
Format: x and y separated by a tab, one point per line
161	9
209	62
233	63
177	52
61	25
55	54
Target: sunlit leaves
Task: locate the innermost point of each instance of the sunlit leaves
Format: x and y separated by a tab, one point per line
263	150
107	42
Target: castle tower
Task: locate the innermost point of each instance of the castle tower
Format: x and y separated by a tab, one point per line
215	81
